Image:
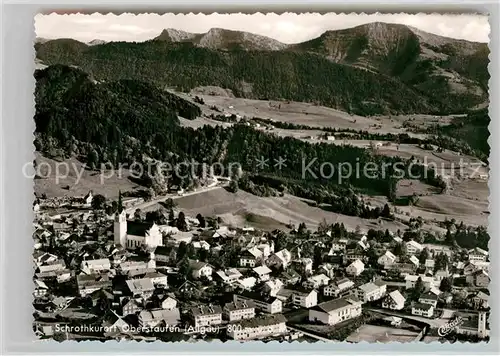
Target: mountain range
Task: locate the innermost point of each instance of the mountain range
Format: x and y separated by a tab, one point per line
395	63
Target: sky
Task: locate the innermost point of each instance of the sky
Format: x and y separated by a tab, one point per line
287	27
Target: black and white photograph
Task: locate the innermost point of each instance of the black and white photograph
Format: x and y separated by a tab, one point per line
294	177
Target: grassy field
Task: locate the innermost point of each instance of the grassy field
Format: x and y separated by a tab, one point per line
243	209
375	333
76	181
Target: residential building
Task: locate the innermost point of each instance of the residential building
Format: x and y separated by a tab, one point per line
229	276
335	311
149	319
258	328
428	298
239	310
303	265
41	289
200	245
394	300
130	306
338	245
280	259
200	269
474	266
355	268
429	263
142	287
388	258
478	300
429	282
290	276
478	254
265	304
316	281
206	315
165	254
168	303
88	284
413	247
371	291
273	286
305	298
336	288
96	266
262	273
251	257
478	278
415	261
52	266
419	309
354	254
246	283
159	279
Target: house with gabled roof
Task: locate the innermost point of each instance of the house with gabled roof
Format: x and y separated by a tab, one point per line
251	257
394	300
477	254
280	259
355	268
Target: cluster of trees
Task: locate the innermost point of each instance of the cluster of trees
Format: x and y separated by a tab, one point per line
468	135
274	75
123	122
468	237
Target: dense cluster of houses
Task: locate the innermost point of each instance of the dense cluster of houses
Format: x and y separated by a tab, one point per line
129	278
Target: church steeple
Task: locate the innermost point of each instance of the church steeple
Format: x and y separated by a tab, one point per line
120	202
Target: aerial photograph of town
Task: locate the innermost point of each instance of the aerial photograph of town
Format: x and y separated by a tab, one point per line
239	177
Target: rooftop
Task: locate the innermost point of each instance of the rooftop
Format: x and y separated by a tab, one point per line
138	228
206	310
335	304
262	320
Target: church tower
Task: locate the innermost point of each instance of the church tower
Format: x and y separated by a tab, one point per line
481	327
120	225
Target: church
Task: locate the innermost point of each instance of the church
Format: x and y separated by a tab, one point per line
133	234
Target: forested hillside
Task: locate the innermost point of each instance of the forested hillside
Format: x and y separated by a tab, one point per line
288	75
120	122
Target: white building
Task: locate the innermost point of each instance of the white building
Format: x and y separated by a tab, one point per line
371	291
419	309
355	268
262	273
317	281
428	298
334	289
95	266
200	269
251	257
132	234
280	259
429	282
305	299
478	254
394	301
270	305
229	276
142	287
335	311
388	258
239	310
258	328
413	247
204	315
